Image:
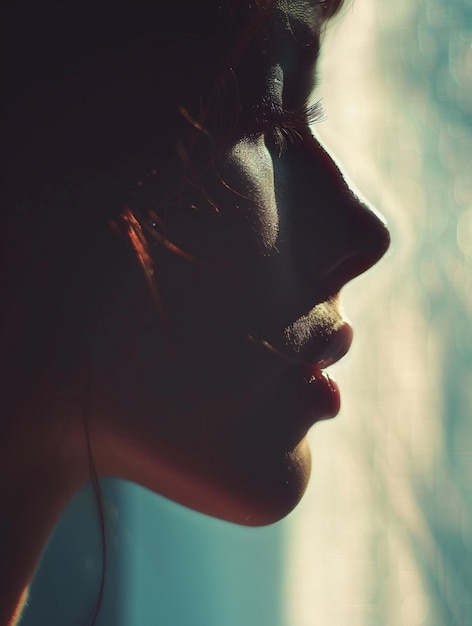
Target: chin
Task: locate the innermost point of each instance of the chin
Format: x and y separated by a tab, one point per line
278	487
260	493
255	485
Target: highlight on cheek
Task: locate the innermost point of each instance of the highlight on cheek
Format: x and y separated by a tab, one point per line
248	173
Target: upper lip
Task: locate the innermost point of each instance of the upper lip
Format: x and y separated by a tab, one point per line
322	350
336	346
320	337
319	350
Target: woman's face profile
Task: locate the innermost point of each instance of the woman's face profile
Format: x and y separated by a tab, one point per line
211	403
207	366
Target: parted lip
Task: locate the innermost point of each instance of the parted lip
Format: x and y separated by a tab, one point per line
308	394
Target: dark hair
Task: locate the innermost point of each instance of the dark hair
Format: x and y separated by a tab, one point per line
71	122
59	204
58	211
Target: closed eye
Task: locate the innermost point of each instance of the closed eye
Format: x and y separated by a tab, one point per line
285	128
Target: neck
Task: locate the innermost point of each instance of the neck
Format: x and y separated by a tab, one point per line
36	482
28	514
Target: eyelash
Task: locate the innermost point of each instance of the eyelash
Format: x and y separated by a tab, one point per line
283	129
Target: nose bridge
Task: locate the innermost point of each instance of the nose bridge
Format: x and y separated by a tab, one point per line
334	235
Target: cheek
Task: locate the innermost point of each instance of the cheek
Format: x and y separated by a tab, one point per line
195	425
228	220
248	171
207	436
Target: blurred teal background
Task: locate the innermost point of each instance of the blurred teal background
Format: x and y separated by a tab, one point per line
383	536
167	566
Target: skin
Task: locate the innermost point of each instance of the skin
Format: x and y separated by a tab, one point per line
191	388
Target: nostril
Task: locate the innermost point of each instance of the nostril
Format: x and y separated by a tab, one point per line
349	268
362	251
361	245
330	263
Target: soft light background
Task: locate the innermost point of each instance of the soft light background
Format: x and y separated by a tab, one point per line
384	534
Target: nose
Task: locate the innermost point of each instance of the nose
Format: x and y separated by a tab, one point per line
333	235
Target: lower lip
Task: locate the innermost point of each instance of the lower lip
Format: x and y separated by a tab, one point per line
316	398
322	394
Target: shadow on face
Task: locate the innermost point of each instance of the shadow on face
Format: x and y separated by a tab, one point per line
168	253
